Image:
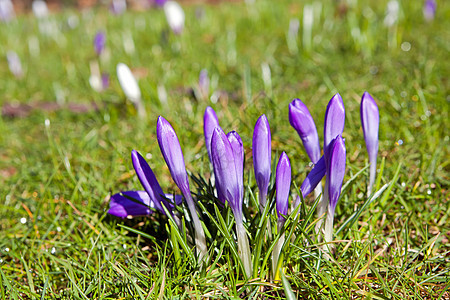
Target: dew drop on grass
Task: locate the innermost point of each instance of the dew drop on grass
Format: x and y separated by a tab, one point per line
403	184
124	246
23	220
6	249
58	229
406	46
400	142
1	260
53	251
429	192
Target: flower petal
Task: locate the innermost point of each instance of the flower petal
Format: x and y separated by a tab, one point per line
336	170
238	152
148	181
314	177
173	155
130	203
283	185
210	121
303	123
225	170
334	123
262	156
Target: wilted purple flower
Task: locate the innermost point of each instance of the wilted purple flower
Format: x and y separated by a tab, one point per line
303	123
173	155
210	121
6	10
262	157
370	120
118	6
335	177
283	185
175	16
224	164
14	64
334	123
429	9
122	206
99	42
203	83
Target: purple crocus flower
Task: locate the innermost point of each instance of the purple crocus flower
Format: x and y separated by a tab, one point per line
160	3
6	10
149	181
15	66
303	123
99	42
118	7
429	9
105	80
335	177
122	206
334	122
314	177
228	157
283	185
173	155
210	121
370	120
203	83
238	152
224	164
262	157
333	127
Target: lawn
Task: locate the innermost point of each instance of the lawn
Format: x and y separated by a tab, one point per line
65	150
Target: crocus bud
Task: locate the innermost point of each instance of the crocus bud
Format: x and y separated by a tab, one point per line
303	123
335	177
175	16
262	157
314	177
99	42
334	123
130	203
429	9
238	152
173	155
149	181
160	2
210	121
283	185
370	120
224	165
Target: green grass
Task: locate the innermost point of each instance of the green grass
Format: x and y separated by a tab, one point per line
58	178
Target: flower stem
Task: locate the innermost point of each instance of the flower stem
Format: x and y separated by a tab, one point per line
321	209
200	239
328	235
276	251
373	172
244	248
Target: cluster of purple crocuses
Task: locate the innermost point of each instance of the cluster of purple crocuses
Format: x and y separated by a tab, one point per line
226	154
